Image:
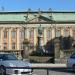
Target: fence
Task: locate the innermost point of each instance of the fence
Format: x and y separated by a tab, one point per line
45	67
68	52
48	69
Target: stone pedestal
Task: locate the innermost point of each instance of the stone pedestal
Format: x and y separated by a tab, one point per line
57	50
39	46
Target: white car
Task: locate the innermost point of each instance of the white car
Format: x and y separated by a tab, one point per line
10	65
71	62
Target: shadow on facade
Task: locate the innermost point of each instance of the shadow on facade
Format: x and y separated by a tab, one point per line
58	46
64	43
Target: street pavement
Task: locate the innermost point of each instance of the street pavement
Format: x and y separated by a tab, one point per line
54	69
53	72
49	65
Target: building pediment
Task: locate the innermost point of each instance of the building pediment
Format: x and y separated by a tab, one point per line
41	19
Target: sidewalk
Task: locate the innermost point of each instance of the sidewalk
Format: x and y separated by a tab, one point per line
49	65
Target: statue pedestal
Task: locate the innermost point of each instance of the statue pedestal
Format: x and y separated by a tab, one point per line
39	48
57	50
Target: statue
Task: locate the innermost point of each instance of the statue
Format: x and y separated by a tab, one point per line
39	46
40	30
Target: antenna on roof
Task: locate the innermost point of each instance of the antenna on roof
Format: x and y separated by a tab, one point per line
50	15
29	10
50	10
2	8
39	11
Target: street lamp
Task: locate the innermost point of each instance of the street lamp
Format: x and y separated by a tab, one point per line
24	52
52	22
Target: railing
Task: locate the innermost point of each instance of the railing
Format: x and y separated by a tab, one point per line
68	52
45	67
39	68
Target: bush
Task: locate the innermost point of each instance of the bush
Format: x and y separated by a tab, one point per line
40	59
34	53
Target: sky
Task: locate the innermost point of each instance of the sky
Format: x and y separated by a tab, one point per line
23	5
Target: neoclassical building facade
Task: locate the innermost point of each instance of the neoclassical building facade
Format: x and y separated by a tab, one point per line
15	26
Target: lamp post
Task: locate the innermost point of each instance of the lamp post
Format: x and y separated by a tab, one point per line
24	52
52	22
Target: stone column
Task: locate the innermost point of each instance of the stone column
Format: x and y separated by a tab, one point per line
71	32
35	37
27	33
57	50
1	38
18	39
62	32
53	33
45	40
9	39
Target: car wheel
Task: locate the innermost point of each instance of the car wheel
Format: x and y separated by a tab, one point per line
2	70
74	67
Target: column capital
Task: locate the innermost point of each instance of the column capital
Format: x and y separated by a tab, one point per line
1	27
13	28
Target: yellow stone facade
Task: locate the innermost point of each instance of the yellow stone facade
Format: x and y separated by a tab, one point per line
15	41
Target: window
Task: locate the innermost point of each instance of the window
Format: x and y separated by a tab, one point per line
5	34
72	56
58	34
0	33
31	33
22	34
21	46
13	46
74	33
31	45
5	46
7	57
13	34
66	33
49	34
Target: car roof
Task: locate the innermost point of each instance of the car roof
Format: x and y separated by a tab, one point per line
73	54
5	53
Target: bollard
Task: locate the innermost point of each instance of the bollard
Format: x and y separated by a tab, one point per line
47	71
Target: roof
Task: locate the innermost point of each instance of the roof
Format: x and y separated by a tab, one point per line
19	17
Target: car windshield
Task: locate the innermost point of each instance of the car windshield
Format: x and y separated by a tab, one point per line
8	57
72	56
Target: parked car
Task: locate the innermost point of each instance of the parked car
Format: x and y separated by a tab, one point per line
9	64
71	62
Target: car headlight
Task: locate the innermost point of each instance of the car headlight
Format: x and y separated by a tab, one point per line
12	65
